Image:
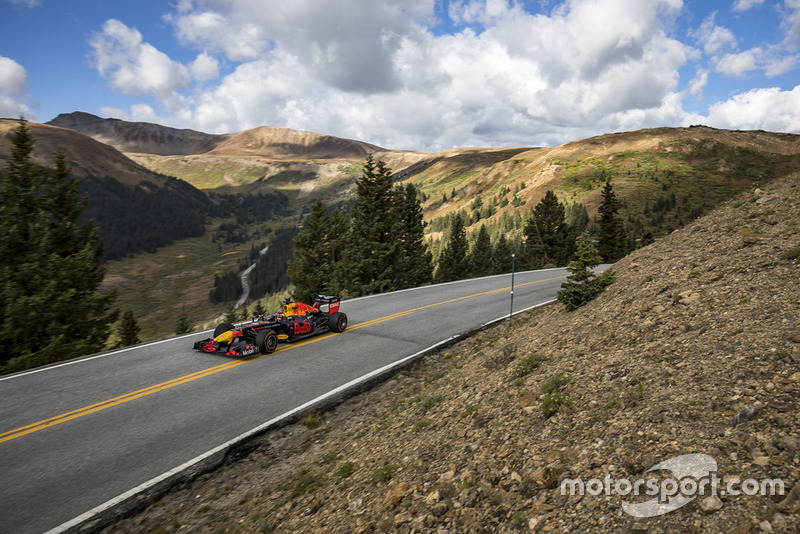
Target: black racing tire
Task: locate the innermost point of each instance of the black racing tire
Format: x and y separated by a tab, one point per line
337	322
222	327
267	341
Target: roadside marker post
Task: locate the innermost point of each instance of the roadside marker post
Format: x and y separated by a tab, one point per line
511	310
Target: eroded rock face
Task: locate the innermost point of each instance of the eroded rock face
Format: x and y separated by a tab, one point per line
693	350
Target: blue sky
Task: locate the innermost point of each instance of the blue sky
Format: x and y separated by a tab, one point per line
408	74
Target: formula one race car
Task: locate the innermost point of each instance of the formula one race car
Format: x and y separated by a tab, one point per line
262	334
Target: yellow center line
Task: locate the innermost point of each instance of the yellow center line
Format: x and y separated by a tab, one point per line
139	393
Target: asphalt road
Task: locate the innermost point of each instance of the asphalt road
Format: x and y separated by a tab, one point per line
76	435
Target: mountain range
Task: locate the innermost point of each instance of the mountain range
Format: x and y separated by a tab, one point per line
306	165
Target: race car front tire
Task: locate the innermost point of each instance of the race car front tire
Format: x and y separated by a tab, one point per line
222	327
267	341
337	322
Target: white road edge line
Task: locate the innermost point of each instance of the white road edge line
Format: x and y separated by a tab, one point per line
64	527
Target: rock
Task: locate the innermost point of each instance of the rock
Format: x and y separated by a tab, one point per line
540	475
711	504
761	461
447	476
688	297
432	498
403	517
439	510
639	526
746	414
765	526
790	443
779	522
791	504
395	495
355	506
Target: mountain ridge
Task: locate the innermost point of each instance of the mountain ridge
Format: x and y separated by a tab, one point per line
139	137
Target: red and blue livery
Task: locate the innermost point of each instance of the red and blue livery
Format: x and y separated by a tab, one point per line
261	335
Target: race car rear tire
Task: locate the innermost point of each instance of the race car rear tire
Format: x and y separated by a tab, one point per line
222	327
337	322
267	341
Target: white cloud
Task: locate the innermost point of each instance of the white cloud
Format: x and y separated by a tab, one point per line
138	113
713	38
738	64
766	109
744	5
26	3
204	68
772	59
375	72
13	89
791	22
699	82
137	68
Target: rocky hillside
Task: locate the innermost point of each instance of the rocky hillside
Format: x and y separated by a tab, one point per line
134	208
139	137
86	156
695	349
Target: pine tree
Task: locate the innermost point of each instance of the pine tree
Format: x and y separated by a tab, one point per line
374	247
611	235
582	284
258	309
481	258
128	330
231	314
50	264
546	234
311	267
577	218
453	261
182	324
416	260
502	255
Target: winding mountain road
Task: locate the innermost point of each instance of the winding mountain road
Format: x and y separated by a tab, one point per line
76	435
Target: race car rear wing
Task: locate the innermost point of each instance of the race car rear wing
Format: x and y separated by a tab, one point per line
332	302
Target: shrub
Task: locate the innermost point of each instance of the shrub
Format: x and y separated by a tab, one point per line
791	254
574	295
306	482
345	470
553	398
310	421
554	383
384	474
527	365
420	425
428	401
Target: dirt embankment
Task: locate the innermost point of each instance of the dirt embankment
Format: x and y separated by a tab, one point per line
695	349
